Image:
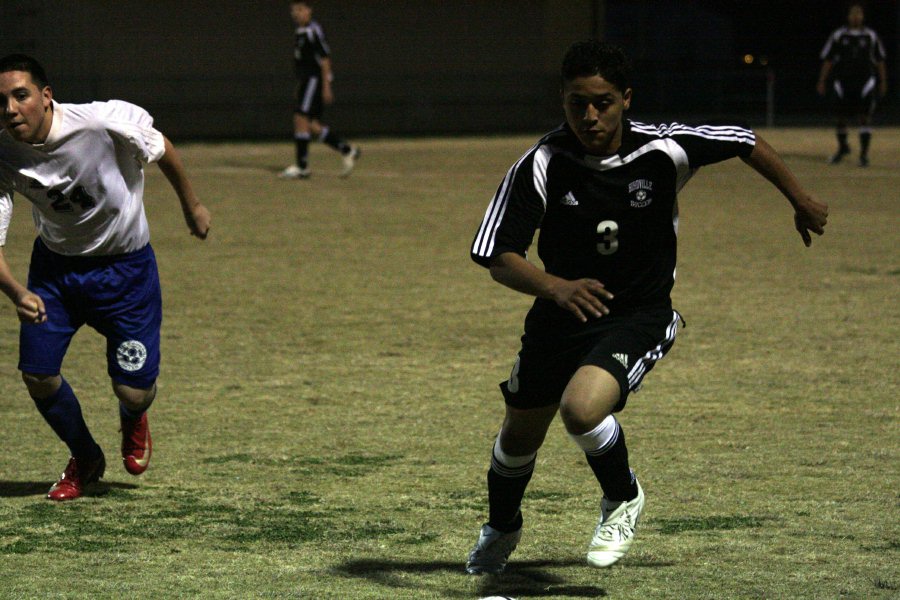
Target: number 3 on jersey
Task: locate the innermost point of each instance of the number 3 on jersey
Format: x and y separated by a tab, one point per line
609	240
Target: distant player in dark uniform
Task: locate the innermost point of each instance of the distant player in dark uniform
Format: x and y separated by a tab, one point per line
602	189
312	66
854	57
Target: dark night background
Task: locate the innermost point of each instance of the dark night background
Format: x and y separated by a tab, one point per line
689	55
222	69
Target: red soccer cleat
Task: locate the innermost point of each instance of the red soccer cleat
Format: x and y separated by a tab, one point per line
76	476
136	444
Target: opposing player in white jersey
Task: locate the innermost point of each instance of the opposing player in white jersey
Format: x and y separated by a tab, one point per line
602	189
81	166
853	58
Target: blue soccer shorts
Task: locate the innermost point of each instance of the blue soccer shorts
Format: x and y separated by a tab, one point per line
119	296
626	346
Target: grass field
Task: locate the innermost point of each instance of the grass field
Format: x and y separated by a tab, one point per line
328	396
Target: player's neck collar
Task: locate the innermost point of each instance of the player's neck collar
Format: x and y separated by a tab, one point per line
56	116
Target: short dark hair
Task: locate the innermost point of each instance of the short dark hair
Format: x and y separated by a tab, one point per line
27	64
593	57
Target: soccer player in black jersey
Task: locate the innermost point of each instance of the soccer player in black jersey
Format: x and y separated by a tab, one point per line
602	190
312	66
854	57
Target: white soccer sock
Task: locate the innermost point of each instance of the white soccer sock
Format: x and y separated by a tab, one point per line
599	439
511	466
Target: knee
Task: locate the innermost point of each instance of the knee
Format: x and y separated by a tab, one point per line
41	386
136	399
591	396
578	417
523	431
519	444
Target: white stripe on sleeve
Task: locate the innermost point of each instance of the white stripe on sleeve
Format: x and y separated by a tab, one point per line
6	207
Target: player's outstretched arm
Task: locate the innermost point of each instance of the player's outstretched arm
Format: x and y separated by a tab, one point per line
29	306
581	297
195	214
810	215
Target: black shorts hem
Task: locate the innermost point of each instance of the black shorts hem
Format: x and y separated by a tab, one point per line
625	347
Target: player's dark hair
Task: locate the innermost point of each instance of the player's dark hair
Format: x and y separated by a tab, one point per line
593	57
860	3
26	64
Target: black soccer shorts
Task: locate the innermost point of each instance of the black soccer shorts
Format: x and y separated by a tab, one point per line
308	100
626	346
854	98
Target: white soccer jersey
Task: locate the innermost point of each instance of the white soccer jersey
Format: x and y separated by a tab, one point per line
86	181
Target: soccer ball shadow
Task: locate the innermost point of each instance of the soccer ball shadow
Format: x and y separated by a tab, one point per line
525	578
529	578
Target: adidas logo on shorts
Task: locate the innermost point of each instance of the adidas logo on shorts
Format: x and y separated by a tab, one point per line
569	200
622	358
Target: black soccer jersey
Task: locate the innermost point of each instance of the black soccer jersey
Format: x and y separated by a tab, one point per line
612	218
310	48
854	53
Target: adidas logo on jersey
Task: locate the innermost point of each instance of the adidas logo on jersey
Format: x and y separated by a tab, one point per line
622	358
569	200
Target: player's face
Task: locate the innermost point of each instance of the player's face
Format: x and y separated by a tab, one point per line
24	107
594	108
856	17
301	13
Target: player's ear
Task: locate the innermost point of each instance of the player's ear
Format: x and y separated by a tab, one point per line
626	98
47	96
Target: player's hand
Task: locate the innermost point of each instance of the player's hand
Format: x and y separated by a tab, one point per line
30	308
810	215
582	298
820	88
198	220
327	95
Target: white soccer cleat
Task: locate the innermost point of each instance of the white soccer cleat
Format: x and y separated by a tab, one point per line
294	172
350	161
615	531
492	551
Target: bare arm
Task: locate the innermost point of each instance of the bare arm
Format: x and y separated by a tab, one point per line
327	78
581	297
809	213
882	79
195	214
824	72
29	306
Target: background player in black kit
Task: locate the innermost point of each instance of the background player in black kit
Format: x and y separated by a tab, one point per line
312	66
602	189
854	57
